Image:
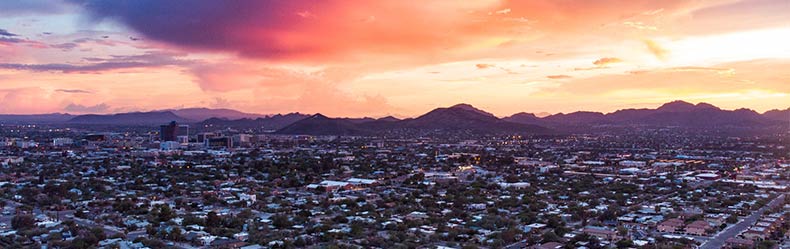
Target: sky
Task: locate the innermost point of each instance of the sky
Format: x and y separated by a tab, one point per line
391	57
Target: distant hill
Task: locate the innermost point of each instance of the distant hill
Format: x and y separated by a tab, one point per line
778	115
35	118
683	106
321	125
676	113
525	118
468	107
576	117
388	119
466	117
131	118
274	122
456	118
200	114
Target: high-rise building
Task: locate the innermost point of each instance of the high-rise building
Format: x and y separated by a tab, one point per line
169	132
202	137
219	142
183	130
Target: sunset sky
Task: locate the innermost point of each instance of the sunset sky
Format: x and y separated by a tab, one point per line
402	58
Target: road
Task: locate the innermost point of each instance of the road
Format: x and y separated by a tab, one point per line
700	239
108	230
743	225
183	245
12	206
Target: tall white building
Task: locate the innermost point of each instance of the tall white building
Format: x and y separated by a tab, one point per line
62	141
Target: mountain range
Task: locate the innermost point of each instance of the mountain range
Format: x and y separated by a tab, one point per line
131	118
676	113
199	114
461	117
274	122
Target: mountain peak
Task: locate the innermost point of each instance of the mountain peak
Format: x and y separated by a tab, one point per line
319	115
675	106
524	118
468	107
703	105
318	124
463	105
683	106
389	119
525	115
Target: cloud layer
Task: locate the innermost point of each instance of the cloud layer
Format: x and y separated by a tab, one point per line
294	30
376	58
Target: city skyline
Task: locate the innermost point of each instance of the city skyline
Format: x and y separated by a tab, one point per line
366	59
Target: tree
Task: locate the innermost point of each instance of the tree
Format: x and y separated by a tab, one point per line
175	234
549	236
150	230
96	235
356	228
245	214
732	219
165	213
766	244
212	219
626	243
281	221
23	222
622	231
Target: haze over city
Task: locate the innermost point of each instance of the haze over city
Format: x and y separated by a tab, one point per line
380	58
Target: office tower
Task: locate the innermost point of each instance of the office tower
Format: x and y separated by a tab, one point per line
169	132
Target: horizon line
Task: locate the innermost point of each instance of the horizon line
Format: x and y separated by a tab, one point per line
386	115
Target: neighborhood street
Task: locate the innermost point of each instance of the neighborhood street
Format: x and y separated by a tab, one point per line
743	225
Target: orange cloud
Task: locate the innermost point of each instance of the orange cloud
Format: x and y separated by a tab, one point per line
606	61
656	49
483	66
558	77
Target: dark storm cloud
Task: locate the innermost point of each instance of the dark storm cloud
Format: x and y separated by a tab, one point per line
4	32
10	40
247	27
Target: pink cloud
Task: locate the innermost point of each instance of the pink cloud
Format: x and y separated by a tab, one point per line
29	100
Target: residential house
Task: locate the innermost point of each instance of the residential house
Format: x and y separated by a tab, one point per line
699	228
670	225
